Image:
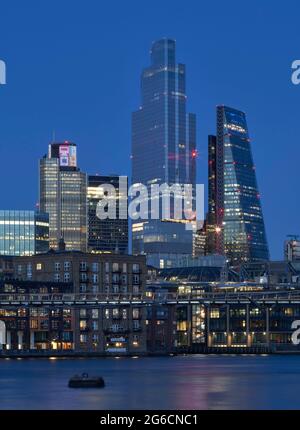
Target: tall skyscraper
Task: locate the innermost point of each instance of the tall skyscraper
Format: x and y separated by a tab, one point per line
163	146
23	233
235	214
109	235
63	196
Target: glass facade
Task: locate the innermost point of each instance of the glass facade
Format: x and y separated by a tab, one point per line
163	138
240	229
109	235
23	233
63	196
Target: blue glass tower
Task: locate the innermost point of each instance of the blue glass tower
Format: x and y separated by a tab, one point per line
240	230
163	145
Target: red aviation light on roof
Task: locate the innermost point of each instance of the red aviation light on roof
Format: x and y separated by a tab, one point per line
194	153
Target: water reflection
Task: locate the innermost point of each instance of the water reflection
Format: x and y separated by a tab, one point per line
183	382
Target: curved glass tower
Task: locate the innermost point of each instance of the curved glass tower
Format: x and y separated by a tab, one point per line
240	230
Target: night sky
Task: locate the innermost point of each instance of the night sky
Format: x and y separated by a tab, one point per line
74	67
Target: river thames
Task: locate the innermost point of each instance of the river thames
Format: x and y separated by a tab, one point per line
181	382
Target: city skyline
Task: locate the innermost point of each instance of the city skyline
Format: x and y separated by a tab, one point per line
13	95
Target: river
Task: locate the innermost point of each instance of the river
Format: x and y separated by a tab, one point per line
181	382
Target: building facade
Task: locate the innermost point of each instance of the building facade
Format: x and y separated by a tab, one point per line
23	232
63	196
37	328
106	235
235	215
248	320
106	329
163	147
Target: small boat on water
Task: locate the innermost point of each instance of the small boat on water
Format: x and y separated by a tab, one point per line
86	381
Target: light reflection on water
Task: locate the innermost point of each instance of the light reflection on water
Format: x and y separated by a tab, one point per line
183	382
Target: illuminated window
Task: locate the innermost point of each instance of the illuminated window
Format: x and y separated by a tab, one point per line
182	326
95	313
215	313
83	324
83	338
135	313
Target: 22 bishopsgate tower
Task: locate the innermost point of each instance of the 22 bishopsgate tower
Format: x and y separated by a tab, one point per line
235	225
163	149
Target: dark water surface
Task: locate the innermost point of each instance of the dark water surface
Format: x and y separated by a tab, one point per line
183	382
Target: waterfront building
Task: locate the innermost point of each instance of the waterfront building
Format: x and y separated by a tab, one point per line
252	325
63	196
37	327
234	199
163	149
111	329
238	317
177	314
23	232
109	235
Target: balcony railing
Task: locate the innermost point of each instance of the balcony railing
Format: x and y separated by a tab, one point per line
159	298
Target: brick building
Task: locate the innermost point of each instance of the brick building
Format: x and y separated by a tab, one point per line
112	329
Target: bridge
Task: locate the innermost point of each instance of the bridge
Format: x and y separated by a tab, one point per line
146	299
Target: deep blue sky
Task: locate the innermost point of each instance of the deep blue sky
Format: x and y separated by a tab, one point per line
75	66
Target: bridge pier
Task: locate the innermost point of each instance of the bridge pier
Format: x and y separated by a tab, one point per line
268	326
228	332
2	334
248	334
8	340
20	340
32	340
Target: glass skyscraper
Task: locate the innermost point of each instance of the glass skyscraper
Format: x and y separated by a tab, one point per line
234	199
63	196
108	235
163	146
23	233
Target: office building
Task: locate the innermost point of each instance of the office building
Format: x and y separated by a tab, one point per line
23	232
63	196
235	217
163	148
106	235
